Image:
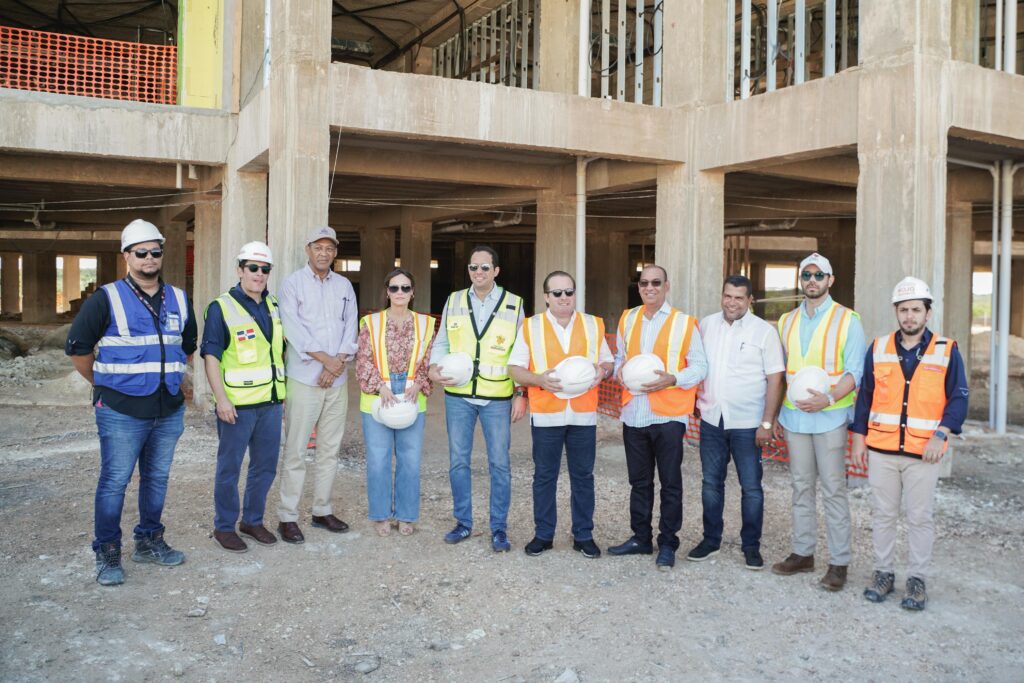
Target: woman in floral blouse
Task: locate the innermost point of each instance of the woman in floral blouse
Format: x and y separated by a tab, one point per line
391	365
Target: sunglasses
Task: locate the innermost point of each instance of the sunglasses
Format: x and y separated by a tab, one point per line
557	293
817	275
650	283
394	288
486	267
252	268
143	253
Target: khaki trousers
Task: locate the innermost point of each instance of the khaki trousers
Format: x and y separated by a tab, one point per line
307	407
821	458
896	478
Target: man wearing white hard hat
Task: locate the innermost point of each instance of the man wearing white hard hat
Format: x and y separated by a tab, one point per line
562	399
914	395
320	316
655	412
825	341
131	340
243	348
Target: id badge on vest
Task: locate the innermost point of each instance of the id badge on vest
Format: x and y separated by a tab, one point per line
172	323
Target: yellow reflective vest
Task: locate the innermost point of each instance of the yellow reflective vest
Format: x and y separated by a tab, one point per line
252	368
377	325
825	350
489	347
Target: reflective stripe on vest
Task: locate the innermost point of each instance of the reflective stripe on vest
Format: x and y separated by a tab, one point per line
897	428
546	352
489	348
671	345
252	368
377	325
824	351
133	356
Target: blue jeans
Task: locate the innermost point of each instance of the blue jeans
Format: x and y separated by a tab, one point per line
259	431
124	441
495	421
393	495
716	444
579	443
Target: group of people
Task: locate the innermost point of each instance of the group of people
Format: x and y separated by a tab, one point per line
900	399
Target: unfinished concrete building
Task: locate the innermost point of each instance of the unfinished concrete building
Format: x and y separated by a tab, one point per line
585	135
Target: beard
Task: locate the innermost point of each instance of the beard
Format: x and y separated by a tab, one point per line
911	331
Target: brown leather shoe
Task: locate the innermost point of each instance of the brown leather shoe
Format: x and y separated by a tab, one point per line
331	523
258	533
794	564
290	532
834	579
230	541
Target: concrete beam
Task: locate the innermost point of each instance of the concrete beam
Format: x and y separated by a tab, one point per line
404	165
249	149
604	175
984	104
83	171
835	170
470	202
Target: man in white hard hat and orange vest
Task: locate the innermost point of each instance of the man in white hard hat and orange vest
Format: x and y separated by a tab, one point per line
654	422
820	333
243	349
914	395
561	424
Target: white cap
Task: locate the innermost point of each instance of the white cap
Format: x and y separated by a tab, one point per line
323	233
255	251
139	231
817	259
910	288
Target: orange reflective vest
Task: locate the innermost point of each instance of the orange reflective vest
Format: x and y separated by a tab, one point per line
546	352
905	413
672	345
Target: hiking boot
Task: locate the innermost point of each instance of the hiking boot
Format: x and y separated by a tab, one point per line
834	579
155	550
794	564
915	598
108	565
703	551
880	587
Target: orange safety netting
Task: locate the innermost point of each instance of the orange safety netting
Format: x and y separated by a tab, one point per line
91	67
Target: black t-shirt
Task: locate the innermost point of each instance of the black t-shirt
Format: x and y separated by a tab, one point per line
86	331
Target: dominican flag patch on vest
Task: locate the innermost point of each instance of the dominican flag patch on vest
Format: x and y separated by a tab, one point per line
243	335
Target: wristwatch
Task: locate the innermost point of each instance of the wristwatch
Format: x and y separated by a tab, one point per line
831	399
940	435
520	391
766	425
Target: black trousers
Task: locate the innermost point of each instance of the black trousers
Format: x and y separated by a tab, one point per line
658	446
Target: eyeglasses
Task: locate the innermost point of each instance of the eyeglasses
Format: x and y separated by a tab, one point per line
651	283
486	267
252	268
394	288
817	275
557	293
143	253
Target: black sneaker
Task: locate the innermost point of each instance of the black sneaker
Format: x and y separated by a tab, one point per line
881	586
537	546
915	598
754	560
587	548
703	551
109	571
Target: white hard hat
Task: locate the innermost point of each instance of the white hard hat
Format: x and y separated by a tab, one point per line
139	231
640	370
576	374
809	377
910	288
398	415
458	366
255	251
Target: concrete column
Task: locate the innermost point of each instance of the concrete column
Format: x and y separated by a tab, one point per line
71	280
40	281
608	276
122	266
842	255
559	45
555	240
107	267
958	301
417	237
244	214
888	29
376	259
206	282
1017	298
10	284
689	240
300	97
696	56
175	252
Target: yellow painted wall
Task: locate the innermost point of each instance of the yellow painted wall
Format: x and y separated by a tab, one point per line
201	53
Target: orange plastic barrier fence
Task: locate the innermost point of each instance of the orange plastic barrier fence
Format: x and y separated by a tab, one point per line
610	403
91	67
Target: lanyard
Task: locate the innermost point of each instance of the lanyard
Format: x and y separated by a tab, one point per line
132	285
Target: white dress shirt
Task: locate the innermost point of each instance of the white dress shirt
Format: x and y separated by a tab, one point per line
740	358
521	358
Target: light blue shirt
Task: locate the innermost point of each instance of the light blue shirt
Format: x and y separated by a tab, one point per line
853	363
637	413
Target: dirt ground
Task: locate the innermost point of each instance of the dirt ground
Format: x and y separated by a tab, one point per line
416	609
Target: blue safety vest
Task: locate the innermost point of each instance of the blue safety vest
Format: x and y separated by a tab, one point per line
134	355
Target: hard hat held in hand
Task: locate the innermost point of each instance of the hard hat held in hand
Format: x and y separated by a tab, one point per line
139	231
576	374
810	377
458	366
255	251
398	415
909	289
640	370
